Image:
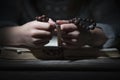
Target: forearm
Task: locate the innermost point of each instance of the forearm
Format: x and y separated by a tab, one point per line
103	36
9	36
110	33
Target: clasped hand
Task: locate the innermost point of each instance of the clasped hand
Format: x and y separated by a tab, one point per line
36	34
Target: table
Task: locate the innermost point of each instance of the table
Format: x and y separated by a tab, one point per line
85	69
84	66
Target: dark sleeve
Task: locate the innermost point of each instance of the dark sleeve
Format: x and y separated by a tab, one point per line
9	13
107	16
107	12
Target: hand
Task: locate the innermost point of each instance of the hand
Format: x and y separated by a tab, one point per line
70	34
74	38
33	34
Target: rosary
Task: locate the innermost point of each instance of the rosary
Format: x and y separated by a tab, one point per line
83	25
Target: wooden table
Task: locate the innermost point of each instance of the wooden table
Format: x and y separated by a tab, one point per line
79	64
84	69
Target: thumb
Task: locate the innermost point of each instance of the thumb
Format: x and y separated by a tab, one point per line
52	24
51	21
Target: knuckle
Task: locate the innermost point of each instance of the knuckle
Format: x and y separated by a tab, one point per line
77	32
34	40
48	33
47	26
32	33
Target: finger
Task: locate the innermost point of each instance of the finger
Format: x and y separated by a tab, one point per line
41	34
70	44
52	24
70	37
41	25
74	34
62	22
71	41
68	27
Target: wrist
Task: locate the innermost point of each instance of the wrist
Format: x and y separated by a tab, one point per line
97	38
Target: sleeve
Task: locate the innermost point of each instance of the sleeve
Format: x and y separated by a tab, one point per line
107	16
9	13
109	32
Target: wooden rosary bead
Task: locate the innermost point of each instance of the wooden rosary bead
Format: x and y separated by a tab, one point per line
42	18
83	24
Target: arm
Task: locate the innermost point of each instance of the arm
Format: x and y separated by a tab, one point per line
107	16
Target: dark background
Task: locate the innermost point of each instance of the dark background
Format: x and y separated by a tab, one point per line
54	75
